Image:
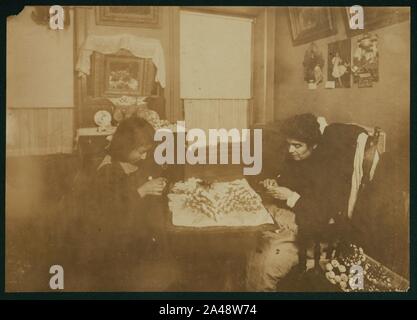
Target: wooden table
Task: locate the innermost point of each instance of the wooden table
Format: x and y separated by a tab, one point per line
214	258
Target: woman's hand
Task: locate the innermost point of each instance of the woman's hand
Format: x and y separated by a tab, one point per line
269	183
280	193
154	187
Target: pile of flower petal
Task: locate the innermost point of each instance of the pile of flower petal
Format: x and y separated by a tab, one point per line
218	198
237	196
197	196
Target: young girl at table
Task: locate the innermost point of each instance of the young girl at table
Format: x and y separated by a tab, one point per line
112	223
121	224
126	186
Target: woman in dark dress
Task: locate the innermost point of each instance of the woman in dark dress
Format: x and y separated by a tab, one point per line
122	216
302	183
301	187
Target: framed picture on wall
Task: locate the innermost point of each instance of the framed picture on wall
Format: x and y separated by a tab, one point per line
308	24
122	75
376	17
128	16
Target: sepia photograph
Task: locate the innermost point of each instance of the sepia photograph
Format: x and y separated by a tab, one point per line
207	149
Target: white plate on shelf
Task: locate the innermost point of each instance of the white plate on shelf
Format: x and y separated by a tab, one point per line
102	118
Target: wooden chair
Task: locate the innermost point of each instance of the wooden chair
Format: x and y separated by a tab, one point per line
340	228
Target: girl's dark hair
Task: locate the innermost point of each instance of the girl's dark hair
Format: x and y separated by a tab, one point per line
130	134
302	127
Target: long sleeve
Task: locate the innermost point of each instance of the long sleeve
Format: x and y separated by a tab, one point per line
116	195
122	214
111	191
120	211
306	180
309	208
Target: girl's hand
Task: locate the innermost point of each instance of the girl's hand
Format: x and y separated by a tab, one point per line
269	183
154	187
280	193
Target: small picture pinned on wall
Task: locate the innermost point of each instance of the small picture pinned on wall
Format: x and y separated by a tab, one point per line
338	62
313	65
365	60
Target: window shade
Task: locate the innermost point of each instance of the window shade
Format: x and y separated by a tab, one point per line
215	58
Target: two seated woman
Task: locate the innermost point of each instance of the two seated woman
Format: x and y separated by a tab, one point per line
126	210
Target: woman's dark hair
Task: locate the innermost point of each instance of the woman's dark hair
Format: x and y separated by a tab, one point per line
130	134
302	127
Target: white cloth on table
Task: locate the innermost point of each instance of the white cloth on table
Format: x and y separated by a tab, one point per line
138	46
